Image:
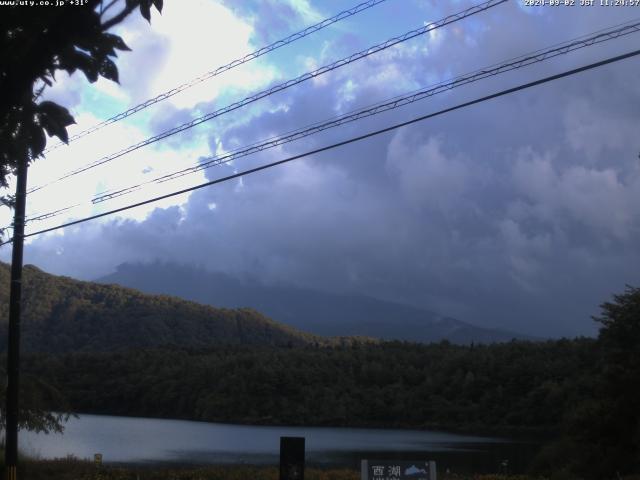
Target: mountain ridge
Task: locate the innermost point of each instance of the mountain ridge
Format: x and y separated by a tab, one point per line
61	314
317	312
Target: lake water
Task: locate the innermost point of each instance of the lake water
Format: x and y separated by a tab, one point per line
144	441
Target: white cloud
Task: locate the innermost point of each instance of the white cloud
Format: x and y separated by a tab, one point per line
178	45
595	198
204	36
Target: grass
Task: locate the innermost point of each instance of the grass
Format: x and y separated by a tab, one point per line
73	469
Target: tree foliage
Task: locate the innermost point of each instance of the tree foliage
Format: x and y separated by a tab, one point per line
503	387
610	426
37	42
42	406
61	314
114	350
601	435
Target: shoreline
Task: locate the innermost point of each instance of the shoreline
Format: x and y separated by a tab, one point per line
533	434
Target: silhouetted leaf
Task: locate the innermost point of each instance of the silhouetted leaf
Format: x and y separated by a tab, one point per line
61	114
72	60
71	41
145	9
109	70
117	42
54	119
8	201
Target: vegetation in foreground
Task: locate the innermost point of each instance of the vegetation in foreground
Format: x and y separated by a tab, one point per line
74	469
587	389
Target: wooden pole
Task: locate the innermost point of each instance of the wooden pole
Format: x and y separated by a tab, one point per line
13	353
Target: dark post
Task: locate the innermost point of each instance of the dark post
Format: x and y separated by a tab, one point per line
13	354
291	458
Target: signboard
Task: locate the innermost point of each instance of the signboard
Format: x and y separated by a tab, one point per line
291	458
398	470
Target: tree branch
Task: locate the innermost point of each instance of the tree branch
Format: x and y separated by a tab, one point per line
104	10
118	18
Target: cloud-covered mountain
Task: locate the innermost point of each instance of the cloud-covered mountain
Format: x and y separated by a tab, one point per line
520	213
312	311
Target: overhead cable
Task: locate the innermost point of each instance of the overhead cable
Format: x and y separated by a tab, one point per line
235	63
396	102
283	86
346	142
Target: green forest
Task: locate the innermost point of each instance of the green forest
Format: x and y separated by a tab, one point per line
563	390
508	386
61	314
103	349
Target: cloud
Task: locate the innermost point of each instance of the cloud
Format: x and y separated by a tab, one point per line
600	200
425	174
519	213
272	17
594	130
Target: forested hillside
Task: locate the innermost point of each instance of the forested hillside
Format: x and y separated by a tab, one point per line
65	315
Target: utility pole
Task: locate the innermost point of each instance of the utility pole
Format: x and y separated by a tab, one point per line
13	354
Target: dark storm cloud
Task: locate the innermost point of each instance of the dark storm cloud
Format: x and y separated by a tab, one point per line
520	213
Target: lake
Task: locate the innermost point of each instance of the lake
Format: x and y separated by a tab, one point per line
147	441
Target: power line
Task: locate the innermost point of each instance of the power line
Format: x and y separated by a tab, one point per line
396	102
235	63
349	141
55	213
283	86
496	69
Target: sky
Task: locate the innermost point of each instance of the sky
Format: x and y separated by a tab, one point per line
522	212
